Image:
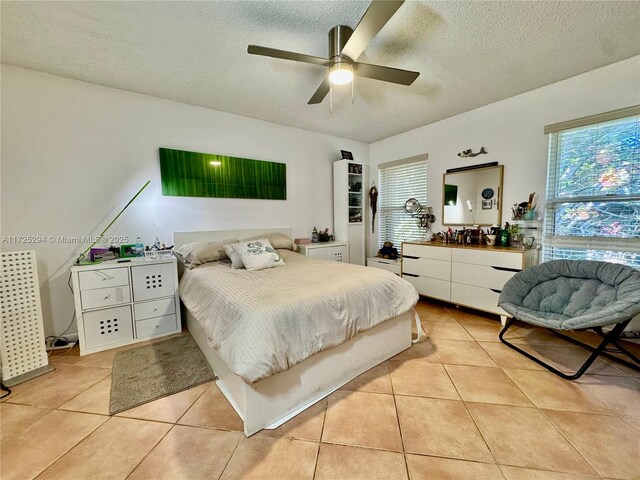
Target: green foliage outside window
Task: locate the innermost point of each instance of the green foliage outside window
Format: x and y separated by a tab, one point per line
603	160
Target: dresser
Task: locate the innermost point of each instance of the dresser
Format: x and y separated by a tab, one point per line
334	251
472	276
122	303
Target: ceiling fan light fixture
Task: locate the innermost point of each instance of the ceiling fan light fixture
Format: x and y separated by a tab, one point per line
341	73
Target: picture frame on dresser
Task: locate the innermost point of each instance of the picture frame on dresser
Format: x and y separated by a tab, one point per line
123	303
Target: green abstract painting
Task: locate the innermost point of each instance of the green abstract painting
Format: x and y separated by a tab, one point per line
193	174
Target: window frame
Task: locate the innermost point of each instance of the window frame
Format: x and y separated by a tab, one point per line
419	232
588	244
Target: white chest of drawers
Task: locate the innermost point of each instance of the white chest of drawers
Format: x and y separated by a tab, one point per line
471	276
122	303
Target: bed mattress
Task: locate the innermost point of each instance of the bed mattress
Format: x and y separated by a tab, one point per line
263	322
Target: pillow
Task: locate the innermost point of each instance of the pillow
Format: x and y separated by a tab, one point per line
258	254
197	253
236	261
277	240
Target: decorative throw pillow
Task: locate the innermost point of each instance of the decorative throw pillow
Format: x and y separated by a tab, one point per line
197	253
277	240
236	261
258	254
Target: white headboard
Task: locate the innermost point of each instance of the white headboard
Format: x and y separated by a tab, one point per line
180	238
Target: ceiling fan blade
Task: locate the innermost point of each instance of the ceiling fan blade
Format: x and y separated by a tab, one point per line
376	16
321	92
386	74
284	54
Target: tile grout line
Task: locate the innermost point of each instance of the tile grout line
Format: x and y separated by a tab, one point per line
195	401
66	401
28	425
567	438
232	454
149	452
71	448
324	419
395	406
495	460
54	373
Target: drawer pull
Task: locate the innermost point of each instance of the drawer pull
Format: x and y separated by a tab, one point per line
409	275
505	269
494	290
107	297
409	256
155	309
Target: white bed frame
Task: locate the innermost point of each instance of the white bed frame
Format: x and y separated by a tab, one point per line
272	401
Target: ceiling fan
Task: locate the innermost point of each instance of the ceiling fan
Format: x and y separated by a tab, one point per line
345	46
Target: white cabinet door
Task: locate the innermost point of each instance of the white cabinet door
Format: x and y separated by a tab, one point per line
320	253
153	281
338	254
108	326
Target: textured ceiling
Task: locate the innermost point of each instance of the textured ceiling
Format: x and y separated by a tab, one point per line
469	53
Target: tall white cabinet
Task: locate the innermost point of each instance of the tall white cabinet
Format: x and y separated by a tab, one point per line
349	207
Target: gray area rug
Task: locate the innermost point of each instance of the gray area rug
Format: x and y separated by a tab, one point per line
144	374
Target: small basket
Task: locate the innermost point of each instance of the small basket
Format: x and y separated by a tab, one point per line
157	254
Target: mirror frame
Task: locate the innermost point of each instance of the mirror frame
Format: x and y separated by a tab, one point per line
500	190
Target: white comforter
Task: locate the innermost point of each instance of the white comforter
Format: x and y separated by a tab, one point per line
261	323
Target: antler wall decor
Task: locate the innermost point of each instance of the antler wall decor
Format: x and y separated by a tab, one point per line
469	153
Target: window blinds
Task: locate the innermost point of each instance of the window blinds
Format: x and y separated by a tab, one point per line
593	192
398	183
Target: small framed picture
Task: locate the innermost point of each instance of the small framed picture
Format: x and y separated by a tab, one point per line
346	155
487	204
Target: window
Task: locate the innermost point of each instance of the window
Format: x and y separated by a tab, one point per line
397	184
593	189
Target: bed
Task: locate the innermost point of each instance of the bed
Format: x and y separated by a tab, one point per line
281	339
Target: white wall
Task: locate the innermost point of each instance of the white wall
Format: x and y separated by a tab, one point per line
73	153
512	132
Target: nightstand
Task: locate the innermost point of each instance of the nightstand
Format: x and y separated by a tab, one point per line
335	251
392	266
122	303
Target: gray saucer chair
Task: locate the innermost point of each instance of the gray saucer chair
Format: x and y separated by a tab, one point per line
575	295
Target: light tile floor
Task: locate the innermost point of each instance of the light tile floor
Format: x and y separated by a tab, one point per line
458	405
